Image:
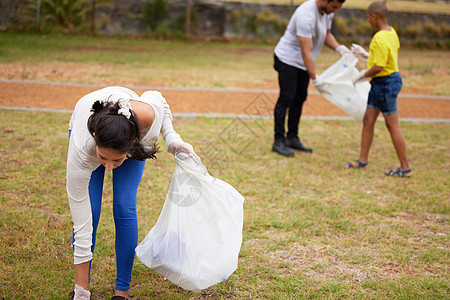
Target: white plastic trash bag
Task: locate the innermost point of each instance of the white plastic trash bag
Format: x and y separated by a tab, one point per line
336	85
196	241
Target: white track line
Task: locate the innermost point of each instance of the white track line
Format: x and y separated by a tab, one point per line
162	88
214	115
234	116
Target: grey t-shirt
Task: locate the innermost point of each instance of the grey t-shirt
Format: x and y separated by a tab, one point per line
306	22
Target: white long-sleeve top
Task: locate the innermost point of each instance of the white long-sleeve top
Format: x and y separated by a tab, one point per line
82	158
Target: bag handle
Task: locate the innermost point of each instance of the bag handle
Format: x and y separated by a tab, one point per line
184	158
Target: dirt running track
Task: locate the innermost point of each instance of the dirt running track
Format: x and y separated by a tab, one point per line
242	102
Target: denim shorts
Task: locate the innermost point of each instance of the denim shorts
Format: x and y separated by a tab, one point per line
383	93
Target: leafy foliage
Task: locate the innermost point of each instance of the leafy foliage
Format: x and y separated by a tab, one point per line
62	15
155	12
160	22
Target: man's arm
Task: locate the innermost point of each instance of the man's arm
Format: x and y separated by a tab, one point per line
330	41
306	46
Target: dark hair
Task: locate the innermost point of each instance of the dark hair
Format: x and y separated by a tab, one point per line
116	132
340	1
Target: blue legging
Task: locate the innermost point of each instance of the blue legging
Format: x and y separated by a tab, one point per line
126	179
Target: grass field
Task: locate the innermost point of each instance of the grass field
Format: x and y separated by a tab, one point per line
422	6
127	61
312	229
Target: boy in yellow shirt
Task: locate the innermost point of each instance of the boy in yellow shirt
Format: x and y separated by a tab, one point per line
386	83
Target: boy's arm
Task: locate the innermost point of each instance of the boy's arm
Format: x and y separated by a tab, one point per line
373	71
366	74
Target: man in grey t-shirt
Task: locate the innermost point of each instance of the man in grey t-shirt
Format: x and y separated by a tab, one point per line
308	30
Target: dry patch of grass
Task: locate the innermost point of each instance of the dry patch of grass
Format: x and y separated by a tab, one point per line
183	64
312	229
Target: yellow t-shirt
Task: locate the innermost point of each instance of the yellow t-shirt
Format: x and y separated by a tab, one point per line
383	52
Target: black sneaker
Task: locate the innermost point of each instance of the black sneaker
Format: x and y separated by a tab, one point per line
280	148
295	143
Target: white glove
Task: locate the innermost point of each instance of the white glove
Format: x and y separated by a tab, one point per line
315	81
320	85
81	294
342	50
360	77
360	52
185	149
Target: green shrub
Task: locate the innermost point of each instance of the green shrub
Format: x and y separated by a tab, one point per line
447	43
341	25
280	26
61	15
419	43
236	15
251	23
267	16
159	23
178	24
154	12
363	27
271	24
439	45
432	29
162	31
398	28
413	31
445	30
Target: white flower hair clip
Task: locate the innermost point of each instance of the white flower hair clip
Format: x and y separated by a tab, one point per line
125	108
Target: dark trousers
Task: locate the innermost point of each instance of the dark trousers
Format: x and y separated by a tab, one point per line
293	84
